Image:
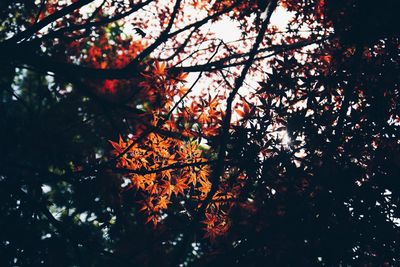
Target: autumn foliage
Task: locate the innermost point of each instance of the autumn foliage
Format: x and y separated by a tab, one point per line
142	133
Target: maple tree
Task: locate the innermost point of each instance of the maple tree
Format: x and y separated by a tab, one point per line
131	129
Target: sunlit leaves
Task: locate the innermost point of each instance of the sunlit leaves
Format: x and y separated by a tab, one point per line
165	168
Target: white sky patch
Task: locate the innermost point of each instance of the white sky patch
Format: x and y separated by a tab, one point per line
86	10
226	30
281	18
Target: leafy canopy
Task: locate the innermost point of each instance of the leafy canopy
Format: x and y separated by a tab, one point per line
132	133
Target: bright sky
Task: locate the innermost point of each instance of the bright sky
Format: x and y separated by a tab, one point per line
227	30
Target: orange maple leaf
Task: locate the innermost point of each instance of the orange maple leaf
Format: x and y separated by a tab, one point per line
180	186
163	202
160	68
168	188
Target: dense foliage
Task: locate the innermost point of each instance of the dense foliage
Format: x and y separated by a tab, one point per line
134	133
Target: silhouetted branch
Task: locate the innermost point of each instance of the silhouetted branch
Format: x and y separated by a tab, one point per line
47	20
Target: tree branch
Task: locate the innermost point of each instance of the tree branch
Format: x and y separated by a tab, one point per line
224	137
47	20
161	39
86	26
276	49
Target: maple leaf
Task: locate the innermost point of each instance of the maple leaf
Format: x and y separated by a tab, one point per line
170	125
246	110
182	76
203	172
193	178
203	118
147	205
210	131
159	68
138	181
215	226
181	91
205	186
168	188
210	220
120	146
213	103
193	151
180	186
150	178
167	174
213	232
163	202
